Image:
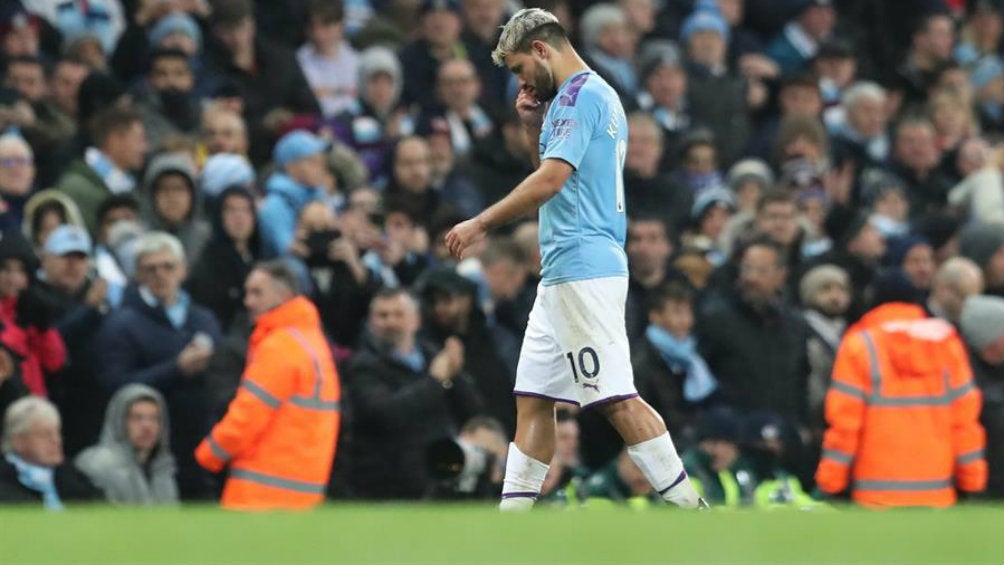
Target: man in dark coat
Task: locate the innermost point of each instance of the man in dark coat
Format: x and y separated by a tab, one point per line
78	305
490	352
33	468
161	338
404	395
755	343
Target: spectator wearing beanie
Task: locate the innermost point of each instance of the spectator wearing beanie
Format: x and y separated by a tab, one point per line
662	92
825	292
800	39
858	247
709	215
984	245
983	329
717	95
942	231
915	256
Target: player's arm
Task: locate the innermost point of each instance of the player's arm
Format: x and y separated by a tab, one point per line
529	195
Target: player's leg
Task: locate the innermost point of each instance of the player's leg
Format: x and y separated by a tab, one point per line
537	389
651	448
530	454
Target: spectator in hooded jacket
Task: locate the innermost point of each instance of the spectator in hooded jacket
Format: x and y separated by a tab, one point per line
374	121
217	278
175	203
132	463
301	177
161	338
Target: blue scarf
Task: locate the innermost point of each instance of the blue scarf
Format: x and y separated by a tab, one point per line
117	180
38	479
681	355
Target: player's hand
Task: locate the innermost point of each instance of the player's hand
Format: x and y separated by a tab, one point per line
464	235
530	110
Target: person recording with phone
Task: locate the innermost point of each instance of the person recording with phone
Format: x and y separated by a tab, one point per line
342	283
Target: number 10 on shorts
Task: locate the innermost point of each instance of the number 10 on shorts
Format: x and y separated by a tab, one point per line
587	362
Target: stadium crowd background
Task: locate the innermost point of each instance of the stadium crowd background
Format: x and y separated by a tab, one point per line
791	164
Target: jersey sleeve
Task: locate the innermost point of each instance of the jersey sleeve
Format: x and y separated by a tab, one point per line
573	120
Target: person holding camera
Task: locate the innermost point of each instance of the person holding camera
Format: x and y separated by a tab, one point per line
343	285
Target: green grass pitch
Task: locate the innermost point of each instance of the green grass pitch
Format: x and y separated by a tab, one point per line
428	534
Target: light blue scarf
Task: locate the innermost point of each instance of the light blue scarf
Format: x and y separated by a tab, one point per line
117	180
681	355
38	479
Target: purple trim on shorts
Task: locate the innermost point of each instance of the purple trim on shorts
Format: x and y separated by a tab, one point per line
527	494
544	396
683	475
617	398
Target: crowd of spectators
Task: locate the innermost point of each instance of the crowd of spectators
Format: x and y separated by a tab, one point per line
792	164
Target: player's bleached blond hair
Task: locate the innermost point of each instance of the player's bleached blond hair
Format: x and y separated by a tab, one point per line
518	29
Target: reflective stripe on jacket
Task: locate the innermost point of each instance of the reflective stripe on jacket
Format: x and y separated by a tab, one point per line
280	430
902	412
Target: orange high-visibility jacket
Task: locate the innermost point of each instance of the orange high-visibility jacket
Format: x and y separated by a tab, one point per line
903	413
279	433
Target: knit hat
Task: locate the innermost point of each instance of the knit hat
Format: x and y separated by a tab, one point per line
720	423
982	320
705	17
893	285
899	247
844	224
718	196
379	60
818	277
938	229
13	245
875	183
176	23
656	54
750	169
979	242
224	170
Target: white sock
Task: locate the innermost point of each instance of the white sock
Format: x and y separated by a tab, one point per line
524	476
658	460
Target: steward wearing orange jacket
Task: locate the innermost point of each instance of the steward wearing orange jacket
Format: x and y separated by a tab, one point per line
279	433
903	413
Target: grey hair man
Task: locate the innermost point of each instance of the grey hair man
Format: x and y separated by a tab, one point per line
576	347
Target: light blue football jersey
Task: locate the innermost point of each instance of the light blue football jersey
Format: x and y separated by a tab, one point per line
582	228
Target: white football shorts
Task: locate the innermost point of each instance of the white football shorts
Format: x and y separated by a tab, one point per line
576	349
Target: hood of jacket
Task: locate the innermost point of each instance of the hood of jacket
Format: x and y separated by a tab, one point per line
296	313
113	433
219	234
177	163
916	345
39	200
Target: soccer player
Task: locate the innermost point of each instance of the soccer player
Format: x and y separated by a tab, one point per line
576	348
